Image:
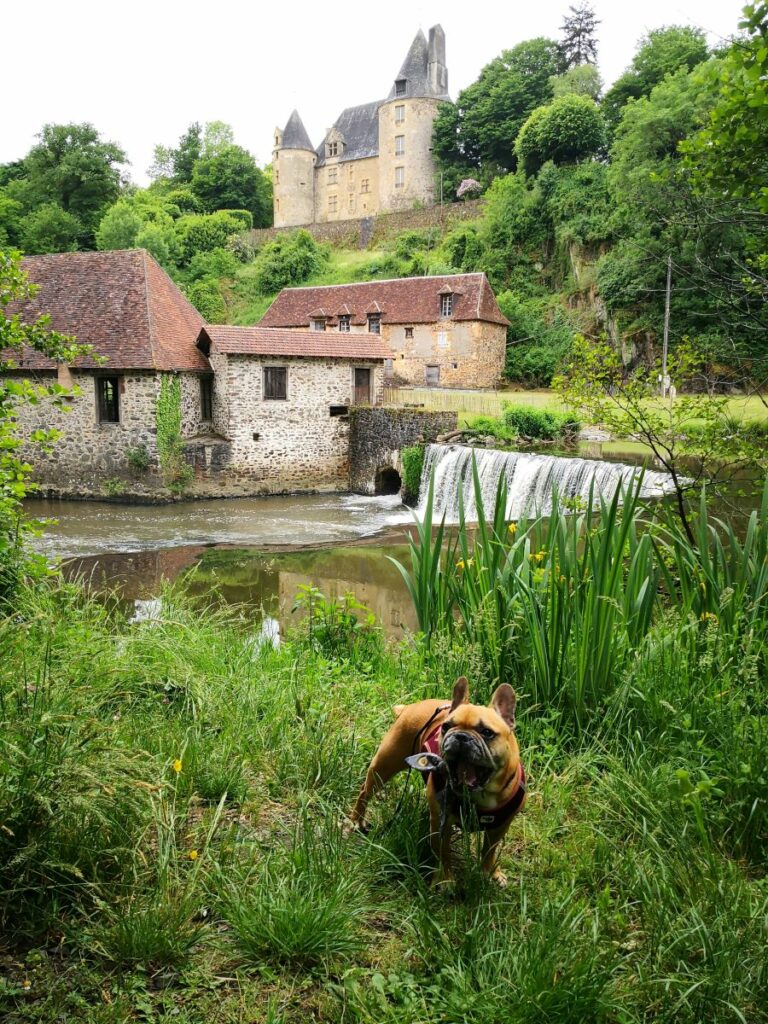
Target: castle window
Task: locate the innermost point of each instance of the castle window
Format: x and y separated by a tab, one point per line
332	203
399	145
332	172
365	185
351	202
277	177
399	177
333	149
446	305
318	324
108	400
409	332
276	383
206	399
374	323
400	87
344	322
399	113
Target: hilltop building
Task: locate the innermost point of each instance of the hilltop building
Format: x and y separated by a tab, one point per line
445	331
376	157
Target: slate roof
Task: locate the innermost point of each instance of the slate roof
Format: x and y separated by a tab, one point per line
121	302
359	127
406	300
263	341
295	134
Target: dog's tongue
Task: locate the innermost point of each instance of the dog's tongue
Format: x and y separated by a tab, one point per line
467	775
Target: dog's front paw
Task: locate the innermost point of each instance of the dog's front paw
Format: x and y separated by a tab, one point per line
500	878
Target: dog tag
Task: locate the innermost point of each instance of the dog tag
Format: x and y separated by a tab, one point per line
425	762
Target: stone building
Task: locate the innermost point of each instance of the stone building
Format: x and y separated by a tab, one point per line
282	400
445	331
375	157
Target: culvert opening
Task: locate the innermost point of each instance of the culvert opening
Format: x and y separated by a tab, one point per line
387	481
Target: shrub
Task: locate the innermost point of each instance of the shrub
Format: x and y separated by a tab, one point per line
289	260
202	232
413	462
539	424
569	129
207	298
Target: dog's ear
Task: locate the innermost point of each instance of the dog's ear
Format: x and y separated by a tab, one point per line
460	692
504	703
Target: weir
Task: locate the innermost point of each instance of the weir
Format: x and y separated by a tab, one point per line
530	480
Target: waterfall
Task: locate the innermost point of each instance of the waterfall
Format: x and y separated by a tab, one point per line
530	480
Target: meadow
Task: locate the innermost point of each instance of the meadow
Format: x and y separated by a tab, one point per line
173	841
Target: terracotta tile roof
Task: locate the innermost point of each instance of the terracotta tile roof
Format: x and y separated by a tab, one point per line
121	302
269	341
406	300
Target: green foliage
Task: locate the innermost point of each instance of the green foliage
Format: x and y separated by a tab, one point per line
338	628
289	260
15	392
581	80
49	228
578	45
540	424
231	180
168	420
477	134
205	232
571	128
412	459
206	296
662	52
119	227
138	458
218	263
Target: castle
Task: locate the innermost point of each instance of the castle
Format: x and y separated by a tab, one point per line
376	157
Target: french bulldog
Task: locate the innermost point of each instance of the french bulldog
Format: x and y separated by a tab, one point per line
470	758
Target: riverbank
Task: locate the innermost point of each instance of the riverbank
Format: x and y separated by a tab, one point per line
172	843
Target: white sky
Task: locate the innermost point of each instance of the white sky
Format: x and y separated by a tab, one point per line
142	72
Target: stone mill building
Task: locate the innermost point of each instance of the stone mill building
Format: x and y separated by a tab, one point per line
376	157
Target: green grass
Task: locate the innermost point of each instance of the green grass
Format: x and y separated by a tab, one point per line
172	798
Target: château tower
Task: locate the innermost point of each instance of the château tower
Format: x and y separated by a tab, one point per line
377	156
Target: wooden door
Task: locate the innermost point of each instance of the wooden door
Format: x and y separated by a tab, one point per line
362	386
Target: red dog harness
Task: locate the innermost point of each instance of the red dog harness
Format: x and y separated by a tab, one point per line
487	819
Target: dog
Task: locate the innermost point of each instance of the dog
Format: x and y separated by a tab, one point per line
470	758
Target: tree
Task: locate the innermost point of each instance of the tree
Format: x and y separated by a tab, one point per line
578	44
582	80
119	227
662	52
73	167
15	483
692	437
478	133
178	164
569	129
49	228
231	180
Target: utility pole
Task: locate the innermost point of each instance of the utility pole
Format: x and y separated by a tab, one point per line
665	381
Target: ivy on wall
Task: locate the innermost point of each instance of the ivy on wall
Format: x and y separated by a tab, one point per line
175	470
413	462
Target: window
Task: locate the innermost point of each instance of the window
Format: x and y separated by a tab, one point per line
374	323
442	339
275	382
351	172
399	177
332	203
399	145
333	149
351	202
108	399
399	113
344	322
400	87
339	410
317	324
332	172
206	398
446	305
388	371
409	332
365	185
432	375
277	177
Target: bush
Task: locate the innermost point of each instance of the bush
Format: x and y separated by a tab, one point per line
539	424
289	260
569	129
202	232
539	339
206	296
413	463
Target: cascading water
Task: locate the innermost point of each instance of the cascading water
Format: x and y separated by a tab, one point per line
530	480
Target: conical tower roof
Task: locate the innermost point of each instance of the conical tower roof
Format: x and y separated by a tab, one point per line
415	69
295	134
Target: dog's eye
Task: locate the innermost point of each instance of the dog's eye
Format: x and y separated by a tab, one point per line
447	726
487	733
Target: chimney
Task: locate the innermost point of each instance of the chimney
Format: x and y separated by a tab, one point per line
437	73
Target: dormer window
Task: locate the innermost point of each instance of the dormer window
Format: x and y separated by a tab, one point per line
400	87
446	305
333	149
317	323
344	322
374	323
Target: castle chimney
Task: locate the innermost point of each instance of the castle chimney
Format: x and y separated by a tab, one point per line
437	72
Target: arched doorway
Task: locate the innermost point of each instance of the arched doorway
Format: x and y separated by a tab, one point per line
387	481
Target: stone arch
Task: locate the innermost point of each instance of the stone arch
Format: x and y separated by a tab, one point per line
387	481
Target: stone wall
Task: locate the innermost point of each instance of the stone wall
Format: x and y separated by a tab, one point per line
467	354
415	161
378	435
294	171
292	445
354	184
363	232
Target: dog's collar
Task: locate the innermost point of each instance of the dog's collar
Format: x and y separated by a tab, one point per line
486	819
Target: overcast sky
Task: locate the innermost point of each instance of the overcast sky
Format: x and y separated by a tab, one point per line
141	72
